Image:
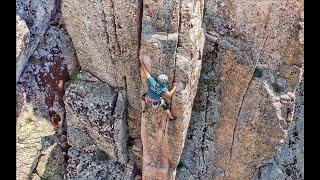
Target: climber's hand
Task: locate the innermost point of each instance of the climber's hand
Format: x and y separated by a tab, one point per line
143	65
170	93
142	56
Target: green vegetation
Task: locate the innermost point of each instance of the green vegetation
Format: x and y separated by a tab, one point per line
75	56
74	76
100	156
277	88
257	73
33	60
29	119
205	11
180	165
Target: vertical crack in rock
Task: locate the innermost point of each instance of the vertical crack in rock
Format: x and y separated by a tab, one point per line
265	33
115	26
35	165
139	22
204	132
111	14
104	21
239	111
114	103
177	45
105	28
173	49
266	36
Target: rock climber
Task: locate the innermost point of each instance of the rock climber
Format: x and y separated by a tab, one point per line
156	89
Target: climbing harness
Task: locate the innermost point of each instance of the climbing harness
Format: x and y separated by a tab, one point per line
155	103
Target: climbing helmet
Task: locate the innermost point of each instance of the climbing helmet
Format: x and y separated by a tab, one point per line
163	79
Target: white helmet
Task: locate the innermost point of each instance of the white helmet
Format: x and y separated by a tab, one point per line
163	79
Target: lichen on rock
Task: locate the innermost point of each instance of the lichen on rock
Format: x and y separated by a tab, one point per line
96	109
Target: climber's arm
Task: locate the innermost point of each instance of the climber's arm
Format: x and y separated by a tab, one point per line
146	73
170	93
143	66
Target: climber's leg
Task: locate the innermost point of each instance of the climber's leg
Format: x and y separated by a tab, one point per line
169	114
143	103
143	106
166	107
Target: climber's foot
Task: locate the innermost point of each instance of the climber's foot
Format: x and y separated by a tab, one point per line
172	119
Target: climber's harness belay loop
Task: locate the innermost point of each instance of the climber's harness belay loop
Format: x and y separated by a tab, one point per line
155	103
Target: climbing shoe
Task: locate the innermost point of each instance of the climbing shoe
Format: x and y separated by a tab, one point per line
172	119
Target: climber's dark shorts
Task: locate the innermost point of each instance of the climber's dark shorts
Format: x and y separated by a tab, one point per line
162	102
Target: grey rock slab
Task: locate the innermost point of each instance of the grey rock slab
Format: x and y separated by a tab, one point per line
96	110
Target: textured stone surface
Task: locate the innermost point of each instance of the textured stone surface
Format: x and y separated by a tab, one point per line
96	109
56	42
51	165
173	39
246	119
97	130
288	163
91	163
47	71
105	34
37	15
241	117
36	149
40	112
22	41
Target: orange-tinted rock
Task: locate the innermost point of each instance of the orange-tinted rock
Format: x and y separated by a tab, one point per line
173	42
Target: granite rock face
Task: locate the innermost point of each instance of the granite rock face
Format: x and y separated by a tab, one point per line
50	66
245	103
38	153
22	41
97	128
46	62
288	163
36	15
172	38
99	111
238	66
105	35
92	163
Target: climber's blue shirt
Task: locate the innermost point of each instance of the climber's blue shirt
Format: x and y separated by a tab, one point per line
155	91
